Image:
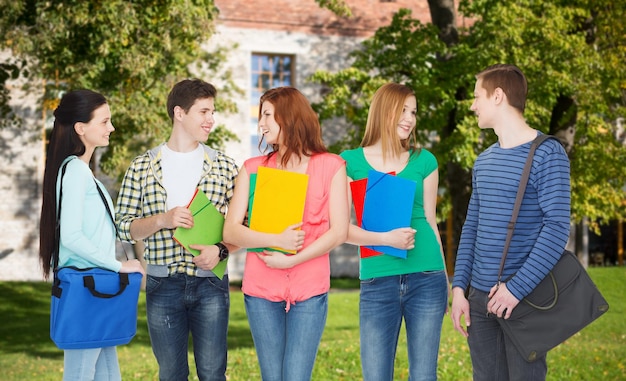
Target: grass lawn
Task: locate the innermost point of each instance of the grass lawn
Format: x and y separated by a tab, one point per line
27	353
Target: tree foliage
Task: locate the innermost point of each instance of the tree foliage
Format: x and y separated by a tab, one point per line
131	51
572	53
339	7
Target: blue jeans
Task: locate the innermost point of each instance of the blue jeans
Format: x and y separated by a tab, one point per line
286	342
419	298
178	305
494	357
98	364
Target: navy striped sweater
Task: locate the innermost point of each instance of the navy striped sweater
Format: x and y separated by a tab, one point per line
542	227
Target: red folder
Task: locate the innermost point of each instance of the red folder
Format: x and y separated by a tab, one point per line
358	188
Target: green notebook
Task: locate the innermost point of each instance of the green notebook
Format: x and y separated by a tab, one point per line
208	224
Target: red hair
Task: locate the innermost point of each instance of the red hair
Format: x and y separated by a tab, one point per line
299	125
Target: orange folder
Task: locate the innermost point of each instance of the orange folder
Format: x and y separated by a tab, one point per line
279	198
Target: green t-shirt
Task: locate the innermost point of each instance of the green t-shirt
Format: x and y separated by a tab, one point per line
426	255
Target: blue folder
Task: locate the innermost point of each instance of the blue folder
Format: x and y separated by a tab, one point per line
388	205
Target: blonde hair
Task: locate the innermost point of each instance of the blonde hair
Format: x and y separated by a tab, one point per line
383	117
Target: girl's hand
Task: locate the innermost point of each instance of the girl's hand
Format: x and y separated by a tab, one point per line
290	238
401	238
276	260
132	266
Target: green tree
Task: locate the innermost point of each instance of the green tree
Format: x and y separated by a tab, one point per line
131	51
571	51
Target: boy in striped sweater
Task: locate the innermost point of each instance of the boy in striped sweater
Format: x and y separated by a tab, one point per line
540	234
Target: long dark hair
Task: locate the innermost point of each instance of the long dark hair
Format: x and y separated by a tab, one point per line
75	106
299	124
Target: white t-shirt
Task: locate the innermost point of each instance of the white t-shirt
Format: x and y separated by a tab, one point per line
181	174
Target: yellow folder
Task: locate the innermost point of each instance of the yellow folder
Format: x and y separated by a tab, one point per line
278	201
208	224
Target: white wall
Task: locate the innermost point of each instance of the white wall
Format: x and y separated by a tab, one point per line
21	168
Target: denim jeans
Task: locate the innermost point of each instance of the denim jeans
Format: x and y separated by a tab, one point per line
180	304
419	298
286	342
98	364
494	357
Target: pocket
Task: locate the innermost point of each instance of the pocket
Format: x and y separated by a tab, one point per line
315	210
152	283
220	284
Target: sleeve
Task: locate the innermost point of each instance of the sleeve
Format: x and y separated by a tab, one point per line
77	181
233	173
551	179
335	163
129	198
251	165
429	163
348	156
465	251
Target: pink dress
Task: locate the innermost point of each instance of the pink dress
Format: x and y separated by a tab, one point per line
310	278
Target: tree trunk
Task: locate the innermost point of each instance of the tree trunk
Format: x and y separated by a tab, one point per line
563	121
443	16
458	180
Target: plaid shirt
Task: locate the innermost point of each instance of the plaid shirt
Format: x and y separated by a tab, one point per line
142	195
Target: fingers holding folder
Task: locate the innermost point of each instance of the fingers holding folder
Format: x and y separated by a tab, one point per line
292	238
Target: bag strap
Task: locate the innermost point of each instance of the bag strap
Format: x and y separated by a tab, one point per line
106	205
90	283
57	230
519	197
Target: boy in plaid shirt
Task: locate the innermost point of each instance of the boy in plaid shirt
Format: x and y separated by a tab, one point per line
183	295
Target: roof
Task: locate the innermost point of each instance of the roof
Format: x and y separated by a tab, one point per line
308	17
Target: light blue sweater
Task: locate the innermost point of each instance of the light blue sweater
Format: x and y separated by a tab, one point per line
87	233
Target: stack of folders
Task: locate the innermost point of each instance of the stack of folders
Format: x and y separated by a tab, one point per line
383	202
208	224
276	201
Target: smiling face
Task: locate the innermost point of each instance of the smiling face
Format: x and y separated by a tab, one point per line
267	124
96	132
198	121
483	106
407	120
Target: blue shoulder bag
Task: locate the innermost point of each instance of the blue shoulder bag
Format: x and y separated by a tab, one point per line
91	307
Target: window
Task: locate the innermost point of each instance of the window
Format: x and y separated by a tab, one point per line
267	71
